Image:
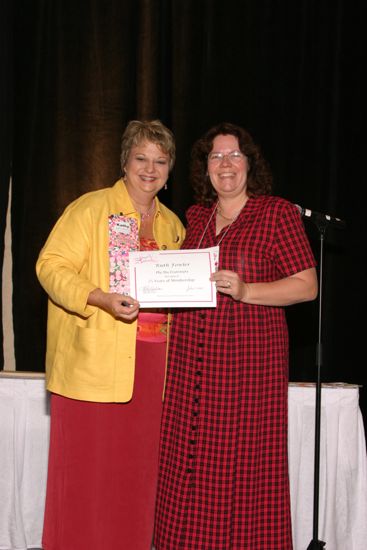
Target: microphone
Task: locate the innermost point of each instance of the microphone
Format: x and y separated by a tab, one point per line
319	218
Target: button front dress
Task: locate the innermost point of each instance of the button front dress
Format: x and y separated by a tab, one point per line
223	482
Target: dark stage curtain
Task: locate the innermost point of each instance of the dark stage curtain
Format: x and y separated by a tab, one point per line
6	126
292	73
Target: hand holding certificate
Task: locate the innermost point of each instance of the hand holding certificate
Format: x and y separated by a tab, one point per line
174	278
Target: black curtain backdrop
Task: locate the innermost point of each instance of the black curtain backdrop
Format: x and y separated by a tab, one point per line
291	72
6	125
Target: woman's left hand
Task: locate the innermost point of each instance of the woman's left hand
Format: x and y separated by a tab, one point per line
229	282
300	287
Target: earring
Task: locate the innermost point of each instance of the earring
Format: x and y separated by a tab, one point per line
165	187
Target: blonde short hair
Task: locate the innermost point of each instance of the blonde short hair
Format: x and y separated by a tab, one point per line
147	130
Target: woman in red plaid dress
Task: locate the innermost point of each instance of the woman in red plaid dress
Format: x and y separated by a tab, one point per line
223	468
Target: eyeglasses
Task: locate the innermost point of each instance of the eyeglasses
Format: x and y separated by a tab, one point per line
233	156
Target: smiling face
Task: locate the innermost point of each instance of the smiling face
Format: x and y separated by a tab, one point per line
146	170
228	172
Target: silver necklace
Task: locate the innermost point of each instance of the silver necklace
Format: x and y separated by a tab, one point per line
227	229
145	215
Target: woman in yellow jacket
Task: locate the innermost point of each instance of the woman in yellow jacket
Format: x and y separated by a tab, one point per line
105	359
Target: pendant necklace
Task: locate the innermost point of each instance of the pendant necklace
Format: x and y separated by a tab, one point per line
145	215
227	229
219	210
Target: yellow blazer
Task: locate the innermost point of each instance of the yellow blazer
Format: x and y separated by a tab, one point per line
91	355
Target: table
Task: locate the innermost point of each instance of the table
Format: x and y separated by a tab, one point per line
24	439
343	467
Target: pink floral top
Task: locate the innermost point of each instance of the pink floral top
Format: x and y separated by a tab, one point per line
124	238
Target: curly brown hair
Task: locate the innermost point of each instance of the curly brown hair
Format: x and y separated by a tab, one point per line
259	177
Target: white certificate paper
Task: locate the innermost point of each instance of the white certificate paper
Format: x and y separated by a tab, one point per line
174	278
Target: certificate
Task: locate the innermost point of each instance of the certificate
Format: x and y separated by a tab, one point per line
174	278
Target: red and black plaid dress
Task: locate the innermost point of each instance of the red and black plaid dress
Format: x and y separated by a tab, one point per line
223	467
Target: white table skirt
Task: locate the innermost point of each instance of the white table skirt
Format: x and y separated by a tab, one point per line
24	440
343	467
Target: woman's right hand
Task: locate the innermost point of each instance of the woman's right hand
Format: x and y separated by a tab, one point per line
120	306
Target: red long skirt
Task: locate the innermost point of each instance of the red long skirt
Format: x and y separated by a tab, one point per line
103	462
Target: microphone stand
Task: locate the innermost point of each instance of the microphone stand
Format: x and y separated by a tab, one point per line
315	543
321	221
